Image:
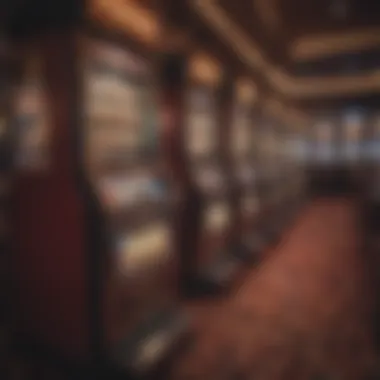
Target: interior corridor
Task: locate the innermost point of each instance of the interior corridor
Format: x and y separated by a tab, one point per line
150	153
305	314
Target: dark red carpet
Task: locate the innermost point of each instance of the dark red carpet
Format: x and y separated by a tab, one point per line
304	314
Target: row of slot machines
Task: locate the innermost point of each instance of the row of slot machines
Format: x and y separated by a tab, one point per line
342	149
350	136
135	182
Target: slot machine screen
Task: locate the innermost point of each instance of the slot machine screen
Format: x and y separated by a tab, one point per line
244	145
201	137
201	132
121	133
120	109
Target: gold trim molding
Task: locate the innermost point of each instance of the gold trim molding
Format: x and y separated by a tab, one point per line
246	90
326	45
204	68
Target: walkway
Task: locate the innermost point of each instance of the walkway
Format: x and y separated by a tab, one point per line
303	315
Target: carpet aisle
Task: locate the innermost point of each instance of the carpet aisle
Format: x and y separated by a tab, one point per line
303	314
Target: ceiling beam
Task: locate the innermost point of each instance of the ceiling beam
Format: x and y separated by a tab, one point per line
320	46
281	81
128	16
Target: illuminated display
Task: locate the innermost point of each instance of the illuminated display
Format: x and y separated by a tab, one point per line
201	126
31	122
131	190
217	217
153	347
120	106
144	248
121	146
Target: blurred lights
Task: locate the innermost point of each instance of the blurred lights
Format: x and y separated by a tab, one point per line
204	68
246	90
128	16
323	45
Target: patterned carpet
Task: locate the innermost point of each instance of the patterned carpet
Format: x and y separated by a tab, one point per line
304	314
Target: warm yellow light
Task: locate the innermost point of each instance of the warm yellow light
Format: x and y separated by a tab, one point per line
127	16
246	90
204	68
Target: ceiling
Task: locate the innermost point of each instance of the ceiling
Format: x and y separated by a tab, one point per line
284	27
302	17
305	49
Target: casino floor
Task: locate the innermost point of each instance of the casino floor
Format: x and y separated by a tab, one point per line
305	314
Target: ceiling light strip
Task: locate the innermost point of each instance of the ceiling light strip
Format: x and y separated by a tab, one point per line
324	45
128	16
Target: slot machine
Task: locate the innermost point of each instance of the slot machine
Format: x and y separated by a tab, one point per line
372	180
307	154
353	128
95	261
282	174
324	155
213	265
275	185
269	186
292	159
282	177
244	168
261	178
297	133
